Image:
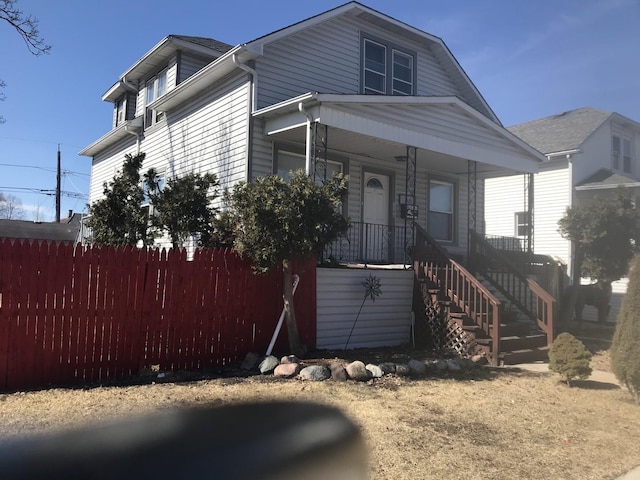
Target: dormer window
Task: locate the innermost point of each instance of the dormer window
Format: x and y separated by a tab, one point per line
156	87
387	69
120	111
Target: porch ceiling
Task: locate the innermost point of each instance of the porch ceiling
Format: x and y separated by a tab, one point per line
446	131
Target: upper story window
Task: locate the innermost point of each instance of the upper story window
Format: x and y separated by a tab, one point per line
621	155
522	224
120	111
156	87
387	69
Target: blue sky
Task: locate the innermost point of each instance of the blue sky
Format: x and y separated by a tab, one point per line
528	59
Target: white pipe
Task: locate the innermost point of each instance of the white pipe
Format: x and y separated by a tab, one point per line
308	152
136	132
296	280
254	80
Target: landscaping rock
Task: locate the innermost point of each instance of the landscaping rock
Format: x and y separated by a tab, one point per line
268	364
315	373
287	370
289	359
357	371
453	366
441	365
375	370
388	368
250	361
402	370
416	367
338	372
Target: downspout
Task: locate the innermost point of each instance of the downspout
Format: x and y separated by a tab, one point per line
253	108
308	152
136	132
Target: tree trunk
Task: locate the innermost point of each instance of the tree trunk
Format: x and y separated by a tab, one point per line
290	313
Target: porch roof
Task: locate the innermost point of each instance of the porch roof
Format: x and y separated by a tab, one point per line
382	126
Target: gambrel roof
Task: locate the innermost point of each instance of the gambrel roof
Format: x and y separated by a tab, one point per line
564	132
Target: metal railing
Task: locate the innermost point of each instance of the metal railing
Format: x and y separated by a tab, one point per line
368	243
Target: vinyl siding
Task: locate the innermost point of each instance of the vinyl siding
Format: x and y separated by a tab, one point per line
385	322
504	197
208	135
326	59
190	65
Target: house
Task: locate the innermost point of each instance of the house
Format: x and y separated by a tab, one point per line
588	152
66	231
349	90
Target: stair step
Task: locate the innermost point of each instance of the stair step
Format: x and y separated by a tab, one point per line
529	355
513	343
515	329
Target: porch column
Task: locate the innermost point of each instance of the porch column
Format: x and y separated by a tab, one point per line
316	164
528	188
472	179
410	195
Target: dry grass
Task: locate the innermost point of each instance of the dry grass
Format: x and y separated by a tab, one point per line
494	424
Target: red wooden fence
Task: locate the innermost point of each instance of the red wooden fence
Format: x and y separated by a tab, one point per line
75	315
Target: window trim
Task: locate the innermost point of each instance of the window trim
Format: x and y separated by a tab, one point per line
151	117
390	49
622	158
454	205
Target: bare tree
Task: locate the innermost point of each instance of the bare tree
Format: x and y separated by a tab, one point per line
27	28
11	207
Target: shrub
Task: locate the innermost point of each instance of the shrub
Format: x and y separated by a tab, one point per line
625	348
569	357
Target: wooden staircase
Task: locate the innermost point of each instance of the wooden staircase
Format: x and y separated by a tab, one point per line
470	317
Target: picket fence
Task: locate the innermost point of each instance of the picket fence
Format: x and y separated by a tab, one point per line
77	315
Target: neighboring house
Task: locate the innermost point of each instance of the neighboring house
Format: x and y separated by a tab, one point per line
350	90
64	232
589	152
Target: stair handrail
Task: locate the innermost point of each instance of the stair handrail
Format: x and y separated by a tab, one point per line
534	300
459	285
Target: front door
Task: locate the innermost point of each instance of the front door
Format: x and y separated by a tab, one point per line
375	216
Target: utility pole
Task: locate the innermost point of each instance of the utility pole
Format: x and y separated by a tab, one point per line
58	188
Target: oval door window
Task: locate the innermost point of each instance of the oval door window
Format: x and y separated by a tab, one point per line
373	182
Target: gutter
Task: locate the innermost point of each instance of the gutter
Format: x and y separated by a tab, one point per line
308	152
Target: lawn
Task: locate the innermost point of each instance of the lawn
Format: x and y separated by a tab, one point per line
491	423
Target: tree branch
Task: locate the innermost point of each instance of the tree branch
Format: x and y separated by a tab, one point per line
25	25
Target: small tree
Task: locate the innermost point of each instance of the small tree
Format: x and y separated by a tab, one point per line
118	218
569	357
277	222
605	234
183	207
625	348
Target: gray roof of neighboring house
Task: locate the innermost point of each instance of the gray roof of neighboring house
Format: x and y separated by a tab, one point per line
562	132
205	42
23	229
604	178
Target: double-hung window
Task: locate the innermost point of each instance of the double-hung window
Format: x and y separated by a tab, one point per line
441	215
120	111
522	224
156	87
387	69
621	156
146	205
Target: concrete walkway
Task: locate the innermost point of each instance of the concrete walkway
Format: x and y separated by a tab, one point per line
596	376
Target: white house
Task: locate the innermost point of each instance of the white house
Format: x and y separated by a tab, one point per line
350	90
588	152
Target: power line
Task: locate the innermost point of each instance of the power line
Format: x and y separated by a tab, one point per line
41	191
64	172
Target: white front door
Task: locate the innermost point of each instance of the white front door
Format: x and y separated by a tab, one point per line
375	216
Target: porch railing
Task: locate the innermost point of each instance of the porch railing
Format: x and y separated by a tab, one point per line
460	286
523	291
368	243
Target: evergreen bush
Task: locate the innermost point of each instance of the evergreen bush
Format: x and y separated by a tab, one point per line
625	349
569	357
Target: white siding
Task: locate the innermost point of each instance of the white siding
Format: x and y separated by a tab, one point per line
190	65
504	197
326	59
208	135
385	322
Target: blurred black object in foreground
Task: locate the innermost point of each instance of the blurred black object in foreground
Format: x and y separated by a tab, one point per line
260	441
